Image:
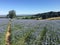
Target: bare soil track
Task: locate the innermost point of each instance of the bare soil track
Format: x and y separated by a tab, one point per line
8	34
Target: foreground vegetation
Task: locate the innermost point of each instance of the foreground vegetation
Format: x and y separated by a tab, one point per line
39	33
31	32
3	29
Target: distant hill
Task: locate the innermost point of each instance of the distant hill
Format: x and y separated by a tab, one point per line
38	16
45	15
48	14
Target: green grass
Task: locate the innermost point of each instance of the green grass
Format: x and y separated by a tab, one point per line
39	39
23	36
2	37
21	40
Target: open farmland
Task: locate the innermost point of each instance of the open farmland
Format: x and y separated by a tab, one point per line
3	29
31	32
35	32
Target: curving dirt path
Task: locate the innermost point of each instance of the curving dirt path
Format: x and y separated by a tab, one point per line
8	34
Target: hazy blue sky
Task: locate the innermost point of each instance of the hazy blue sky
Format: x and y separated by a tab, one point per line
29	6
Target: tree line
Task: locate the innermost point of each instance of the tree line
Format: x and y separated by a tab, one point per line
48	15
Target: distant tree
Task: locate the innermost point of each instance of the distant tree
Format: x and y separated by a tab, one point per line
11	14
7	16
43	16
58	13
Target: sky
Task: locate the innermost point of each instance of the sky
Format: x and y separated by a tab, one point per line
29	6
